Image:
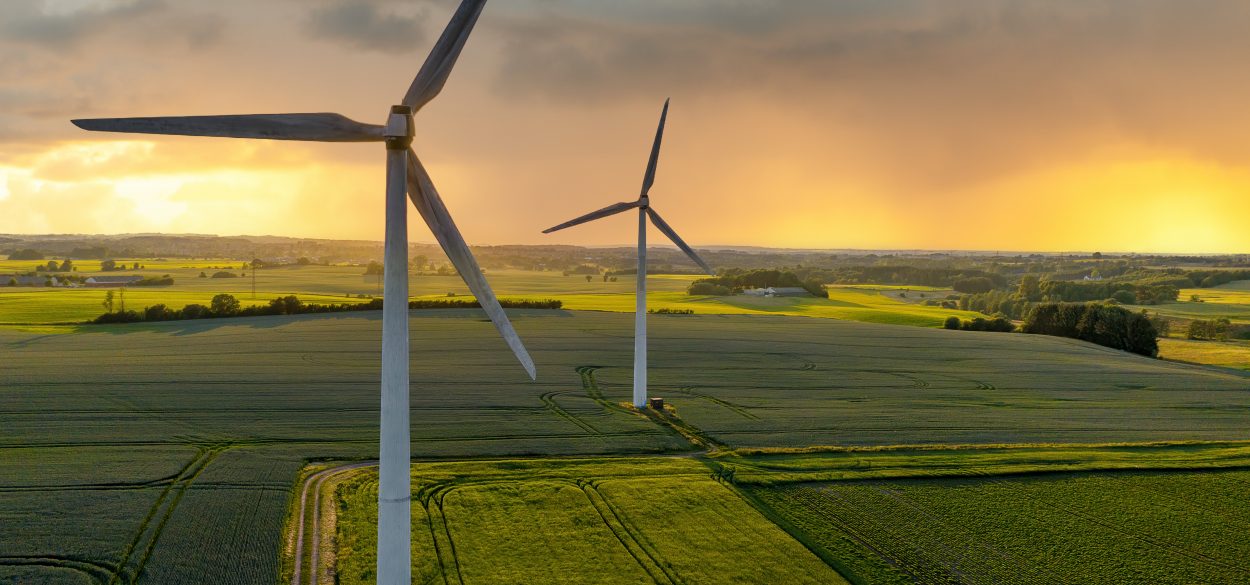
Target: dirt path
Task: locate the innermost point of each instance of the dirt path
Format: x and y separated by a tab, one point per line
313	483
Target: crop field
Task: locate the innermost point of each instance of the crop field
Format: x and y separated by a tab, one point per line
170	451
631	520
1136	527
338	284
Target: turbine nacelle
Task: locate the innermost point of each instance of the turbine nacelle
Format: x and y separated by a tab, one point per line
398	131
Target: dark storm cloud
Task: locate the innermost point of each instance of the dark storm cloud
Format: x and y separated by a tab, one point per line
930	86
366	25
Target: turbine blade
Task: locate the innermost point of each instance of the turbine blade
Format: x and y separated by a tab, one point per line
318	127
672	235
649	179
430	205
613	209
433	74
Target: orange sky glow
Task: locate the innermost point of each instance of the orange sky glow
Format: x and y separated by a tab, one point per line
1012	125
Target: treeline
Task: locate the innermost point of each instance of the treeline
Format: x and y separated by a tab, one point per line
736	280
1105	325
998	324
224	305
1128	293
936	277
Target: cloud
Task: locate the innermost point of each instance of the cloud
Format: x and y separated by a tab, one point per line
60	24
365	25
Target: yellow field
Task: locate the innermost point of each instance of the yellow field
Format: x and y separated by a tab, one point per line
1231	354
31	306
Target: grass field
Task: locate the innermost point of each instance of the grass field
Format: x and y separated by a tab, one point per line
168	452
633	520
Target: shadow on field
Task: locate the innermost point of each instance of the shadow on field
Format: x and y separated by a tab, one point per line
197	326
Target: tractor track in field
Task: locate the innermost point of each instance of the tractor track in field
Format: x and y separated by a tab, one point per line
549	401
314	482
98	572
167	501
738	408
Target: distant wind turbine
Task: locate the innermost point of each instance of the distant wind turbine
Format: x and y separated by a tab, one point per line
643	203
404	173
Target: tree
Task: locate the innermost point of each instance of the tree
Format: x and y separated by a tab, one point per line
195	311
420	261
974	285
26	254
108	266
157	313
374	268
108	301
1124	297
589	278
303	261
224	305
12	282
67	266
1030	288
288	305
952	322
53	266
136	267
202	275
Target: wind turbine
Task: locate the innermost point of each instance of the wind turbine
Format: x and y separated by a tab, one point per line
404	174
643	204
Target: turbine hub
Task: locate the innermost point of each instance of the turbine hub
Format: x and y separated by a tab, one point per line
398	131
644	202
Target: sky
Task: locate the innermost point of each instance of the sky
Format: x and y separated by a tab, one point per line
1047	125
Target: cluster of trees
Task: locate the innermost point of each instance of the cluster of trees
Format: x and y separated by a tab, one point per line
996	302
735	280
1106	325
226	305
1213	278
52	266
1209	330
938	277
114	266
1000	324
1129	293
25	254
667	311
164	280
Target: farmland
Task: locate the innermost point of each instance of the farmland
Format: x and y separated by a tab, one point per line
1139	527
174	446
23	306
628	520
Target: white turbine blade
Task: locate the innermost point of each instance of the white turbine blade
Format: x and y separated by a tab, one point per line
613	209
318	127
672	235
649	179
433	74
423	194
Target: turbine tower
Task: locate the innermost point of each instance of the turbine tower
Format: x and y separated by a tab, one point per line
404	174
643	204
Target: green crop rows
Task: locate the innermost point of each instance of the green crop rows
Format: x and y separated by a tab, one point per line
576	521
169	453
1142	527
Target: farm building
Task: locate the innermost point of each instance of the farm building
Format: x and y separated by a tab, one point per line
106	281
780	291
25	280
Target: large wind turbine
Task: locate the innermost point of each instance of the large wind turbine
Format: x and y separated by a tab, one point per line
643	203
404	173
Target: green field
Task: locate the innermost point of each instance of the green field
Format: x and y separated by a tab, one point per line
634	520
1142	527
170	451
26	306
